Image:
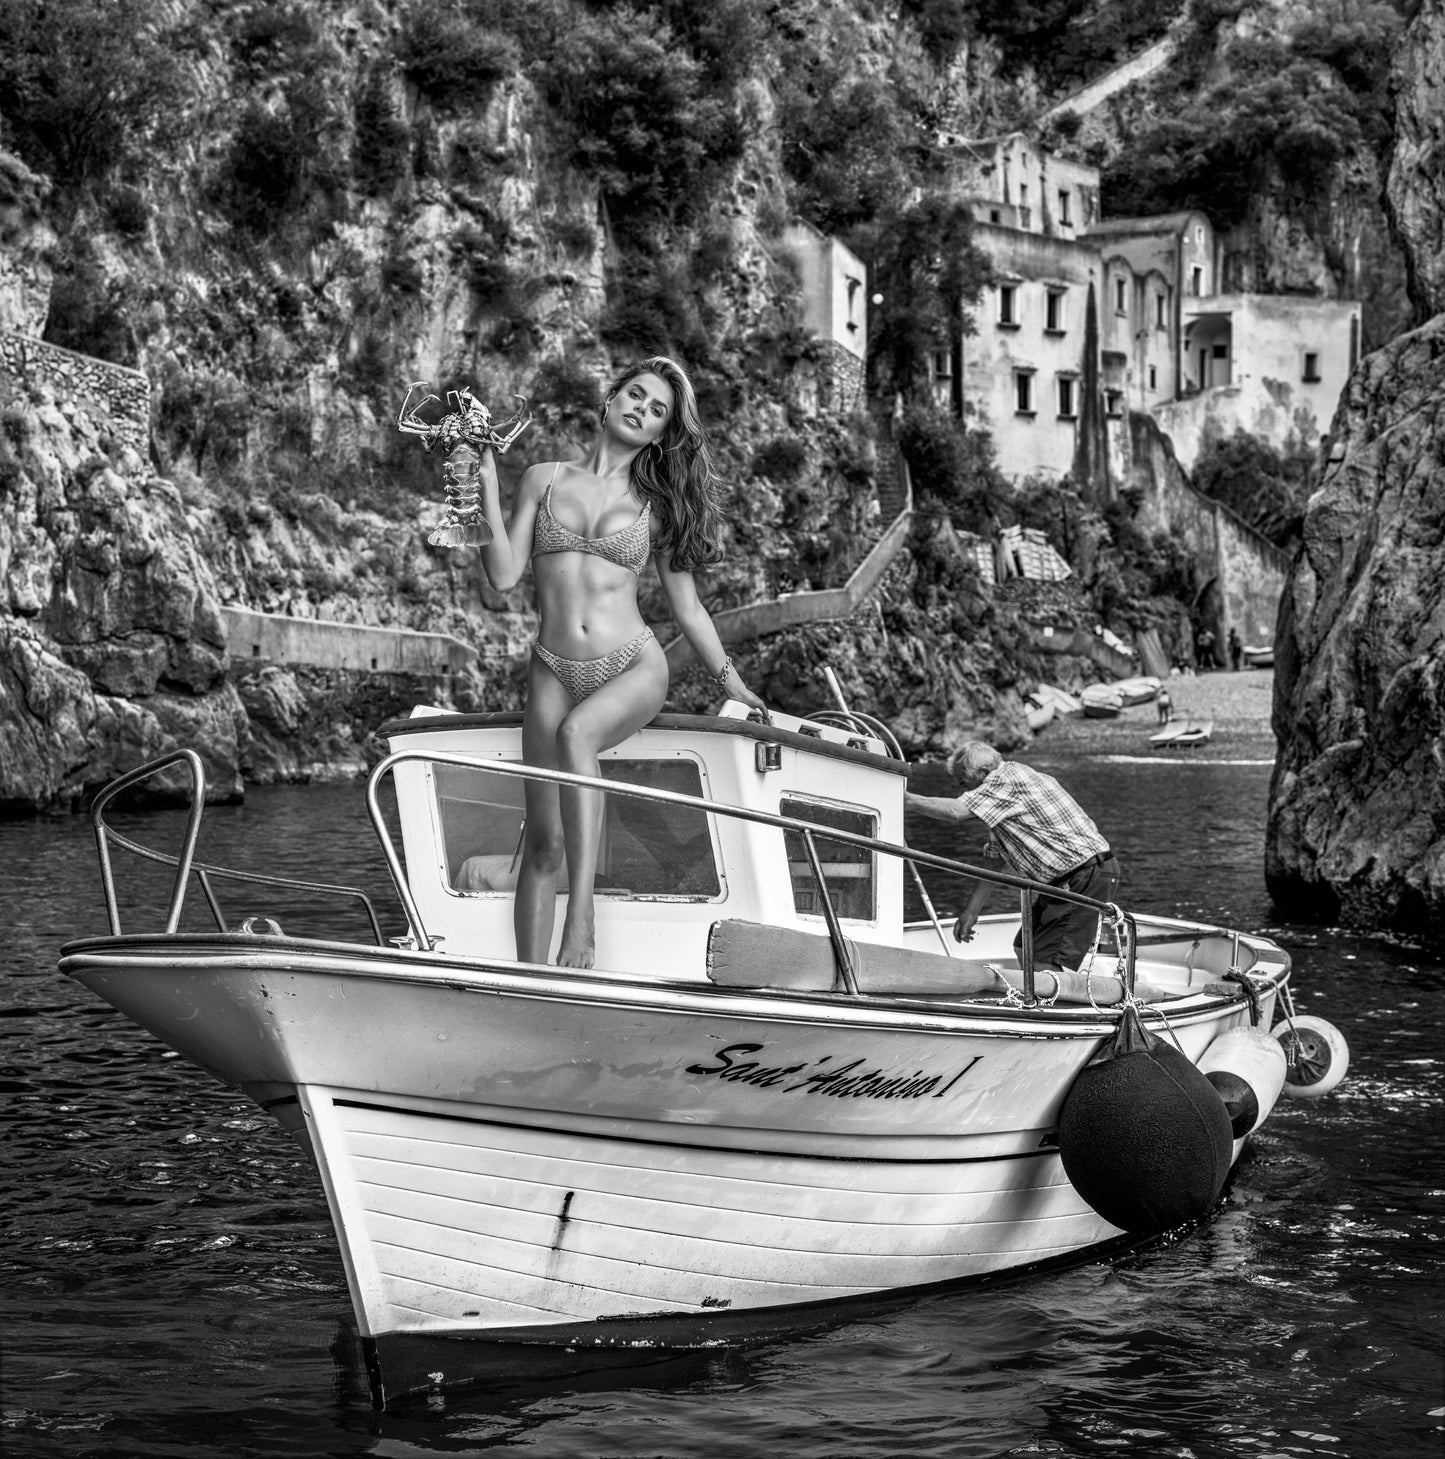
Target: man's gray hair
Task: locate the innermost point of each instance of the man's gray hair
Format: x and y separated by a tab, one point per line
974	761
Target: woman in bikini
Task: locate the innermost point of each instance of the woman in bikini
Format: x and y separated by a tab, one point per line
646	488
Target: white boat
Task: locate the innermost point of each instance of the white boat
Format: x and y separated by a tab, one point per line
1259	656
768	1097
1141	689
1064	703
1102	701
1039	709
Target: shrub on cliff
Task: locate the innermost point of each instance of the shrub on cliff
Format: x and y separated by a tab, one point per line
928	273
955	467
1263	486
644	118
453	56
87	87
1281	111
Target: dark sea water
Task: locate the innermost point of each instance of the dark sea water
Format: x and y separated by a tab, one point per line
170	1285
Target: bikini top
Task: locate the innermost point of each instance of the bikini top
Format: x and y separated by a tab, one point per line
629	547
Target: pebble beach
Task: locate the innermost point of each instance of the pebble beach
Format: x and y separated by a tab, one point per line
1239	703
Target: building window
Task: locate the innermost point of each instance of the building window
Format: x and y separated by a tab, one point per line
1311	372
1121	296
942	365
1114	402
1008	306
854	287
1196	281
1153	377
1068	396
1161	320
1064	215
1054	311
1025	215
1024	392
995	216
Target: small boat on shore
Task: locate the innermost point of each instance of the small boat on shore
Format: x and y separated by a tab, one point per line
1141	689
1183	734
772	1095
1065	704
1259	656
1040	710
1102	701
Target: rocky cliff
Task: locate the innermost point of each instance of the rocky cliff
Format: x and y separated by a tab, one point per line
1357	805
281	214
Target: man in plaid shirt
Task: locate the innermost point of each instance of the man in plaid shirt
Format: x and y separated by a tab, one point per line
1039	830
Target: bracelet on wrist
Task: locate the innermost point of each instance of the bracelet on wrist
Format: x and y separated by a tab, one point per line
721	677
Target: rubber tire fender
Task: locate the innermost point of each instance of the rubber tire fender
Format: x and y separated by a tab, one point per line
1316	1054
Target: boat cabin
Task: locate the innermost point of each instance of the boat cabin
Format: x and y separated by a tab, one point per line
666	872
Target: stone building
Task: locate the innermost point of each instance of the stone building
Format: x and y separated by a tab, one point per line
834	294
1090	318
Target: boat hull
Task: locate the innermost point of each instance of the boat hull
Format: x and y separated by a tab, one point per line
513	1152
456	1224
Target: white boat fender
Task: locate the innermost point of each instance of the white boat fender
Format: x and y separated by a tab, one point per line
1247	1066
1143	1135
1315	1052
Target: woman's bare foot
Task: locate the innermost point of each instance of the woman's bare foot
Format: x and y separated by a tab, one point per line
579	947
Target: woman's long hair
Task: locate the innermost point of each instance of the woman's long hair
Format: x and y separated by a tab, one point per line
676	475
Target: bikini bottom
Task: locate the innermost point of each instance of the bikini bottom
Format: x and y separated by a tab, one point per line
581	677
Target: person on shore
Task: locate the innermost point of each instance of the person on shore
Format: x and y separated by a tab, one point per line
1236	649
645	488
1204	643
1166	707
1039	831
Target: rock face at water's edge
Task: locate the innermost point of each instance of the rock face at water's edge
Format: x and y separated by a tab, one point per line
1357	806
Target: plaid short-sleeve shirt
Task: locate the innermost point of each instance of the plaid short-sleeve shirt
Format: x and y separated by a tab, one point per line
1039	827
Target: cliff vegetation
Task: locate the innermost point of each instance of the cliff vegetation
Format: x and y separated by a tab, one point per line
284	213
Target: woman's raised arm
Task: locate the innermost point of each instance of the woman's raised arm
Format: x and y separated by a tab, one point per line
505	557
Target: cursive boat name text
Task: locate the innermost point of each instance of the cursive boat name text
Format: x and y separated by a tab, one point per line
838	1081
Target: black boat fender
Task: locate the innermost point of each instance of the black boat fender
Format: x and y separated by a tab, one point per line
1143	1135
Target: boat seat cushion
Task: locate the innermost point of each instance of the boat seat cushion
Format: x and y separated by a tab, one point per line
753	955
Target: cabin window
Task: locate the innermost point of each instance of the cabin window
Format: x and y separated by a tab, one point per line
648	849
850	871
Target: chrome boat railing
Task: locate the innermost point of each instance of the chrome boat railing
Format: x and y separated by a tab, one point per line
185	863
187	866
808	831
